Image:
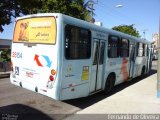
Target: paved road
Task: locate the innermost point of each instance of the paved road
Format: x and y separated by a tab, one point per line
15	100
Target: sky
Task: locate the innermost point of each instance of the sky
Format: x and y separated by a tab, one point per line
144	14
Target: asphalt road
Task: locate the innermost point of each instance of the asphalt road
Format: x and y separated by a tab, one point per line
24	104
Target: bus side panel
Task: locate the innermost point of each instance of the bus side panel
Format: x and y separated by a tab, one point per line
75	77
75	91
116	65
75	73
140	62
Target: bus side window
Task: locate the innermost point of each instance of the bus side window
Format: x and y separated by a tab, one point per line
77	43
102	48
144	49
147	50
132	53
140	49
113	46
124	48
95	51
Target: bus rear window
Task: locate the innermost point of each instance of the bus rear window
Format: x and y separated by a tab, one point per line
35	30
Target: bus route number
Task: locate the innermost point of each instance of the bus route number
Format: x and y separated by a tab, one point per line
16	55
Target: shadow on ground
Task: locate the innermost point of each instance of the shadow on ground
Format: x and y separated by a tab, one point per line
23	112
90	100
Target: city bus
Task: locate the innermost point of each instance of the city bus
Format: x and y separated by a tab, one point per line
66	58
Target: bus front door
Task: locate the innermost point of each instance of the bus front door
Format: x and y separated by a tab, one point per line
97	65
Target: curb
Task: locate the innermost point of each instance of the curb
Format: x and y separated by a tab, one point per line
5	74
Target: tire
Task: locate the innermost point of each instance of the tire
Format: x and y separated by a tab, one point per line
143	71
109	83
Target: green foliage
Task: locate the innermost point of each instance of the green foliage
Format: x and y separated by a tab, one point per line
73	8
128	29
13	8
8	9
5	55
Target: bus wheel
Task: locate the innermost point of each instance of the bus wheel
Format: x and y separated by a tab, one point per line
143	70
109	83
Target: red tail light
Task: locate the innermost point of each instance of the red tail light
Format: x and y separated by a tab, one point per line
51	78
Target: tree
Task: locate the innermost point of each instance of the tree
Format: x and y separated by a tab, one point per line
128	29
14	8
5	55
8	10
75	8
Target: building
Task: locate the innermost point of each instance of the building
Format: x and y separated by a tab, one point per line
155	39
5	43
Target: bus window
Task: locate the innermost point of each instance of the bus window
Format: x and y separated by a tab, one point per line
124	48
113	47
147	51
95	51
143	47
77	43
144	50
139	49
102	47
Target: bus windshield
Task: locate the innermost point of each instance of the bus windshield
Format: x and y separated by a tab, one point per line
35	30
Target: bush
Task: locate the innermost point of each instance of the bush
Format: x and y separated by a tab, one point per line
5	55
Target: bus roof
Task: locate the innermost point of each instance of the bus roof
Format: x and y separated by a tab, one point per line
86	24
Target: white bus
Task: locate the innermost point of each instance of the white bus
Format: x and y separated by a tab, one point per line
65	58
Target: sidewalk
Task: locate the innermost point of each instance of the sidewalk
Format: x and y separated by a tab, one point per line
139	98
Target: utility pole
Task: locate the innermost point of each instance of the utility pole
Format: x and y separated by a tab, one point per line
158	72
144	33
